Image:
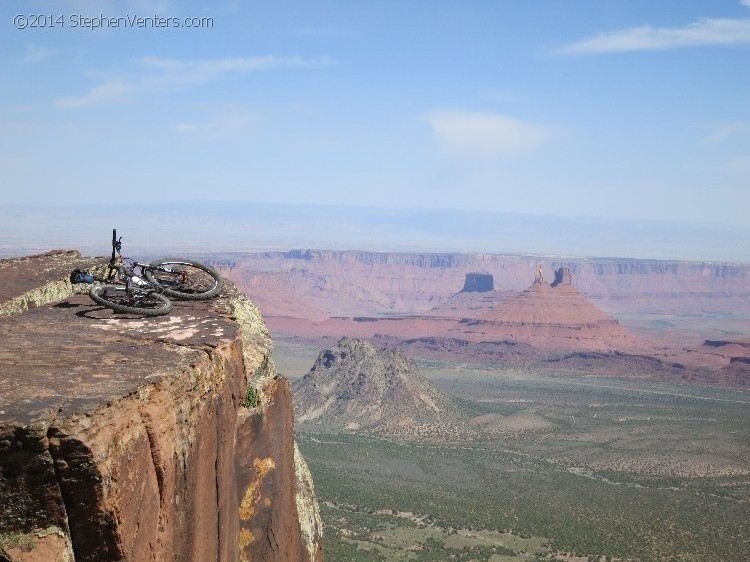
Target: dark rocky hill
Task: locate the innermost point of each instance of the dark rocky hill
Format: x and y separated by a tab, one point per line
359	387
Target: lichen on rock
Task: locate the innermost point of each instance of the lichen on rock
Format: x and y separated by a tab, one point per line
256	342
51	544
34	281
47	293
307	506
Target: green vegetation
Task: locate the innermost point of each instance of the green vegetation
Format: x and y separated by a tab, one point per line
252	397
591	466
370	536
23	541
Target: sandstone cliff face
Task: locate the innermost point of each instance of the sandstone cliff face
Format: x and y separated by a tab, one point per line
127	439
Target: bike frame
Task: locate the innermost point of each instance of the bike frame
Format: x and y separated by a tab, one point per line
119	272
134	287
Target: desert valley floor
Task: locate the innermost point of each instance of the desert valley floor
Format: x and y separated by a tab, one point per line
555	466
549	408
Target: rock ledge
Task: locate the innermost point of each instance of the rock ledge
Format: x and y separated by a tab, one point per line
124	438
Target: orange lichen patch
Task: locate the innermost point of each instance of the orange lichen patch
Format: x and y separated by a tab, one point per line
247	507
246	539
267	501
264	466
252	494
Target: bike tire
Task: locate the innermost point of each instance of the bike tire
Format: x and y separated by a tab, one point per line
186	280
145	303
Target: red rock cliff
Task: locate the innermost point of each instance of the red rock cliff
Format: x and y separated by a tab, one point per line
127	439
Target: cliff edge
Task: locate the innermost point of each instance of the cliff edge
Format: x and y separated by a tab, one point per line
123	438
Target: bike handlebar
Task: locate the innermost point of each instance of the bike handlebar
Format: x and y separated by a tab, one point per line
116	248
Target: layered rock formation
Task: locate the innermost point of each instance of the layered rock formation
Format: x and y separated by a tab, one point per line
553	319
729	358
357	386
554	316
563	276
478	283
350	283
665	309
469	305
737	373
413	282
136	439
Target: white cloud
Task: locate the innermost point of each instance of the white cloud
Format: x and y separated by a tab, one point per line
158	74
484	135
37	53
176	73
745	3
101	94
722	131
221	121
647	38
184	128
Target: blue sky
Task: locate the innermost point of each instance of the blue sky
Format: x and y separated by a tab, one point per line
616	109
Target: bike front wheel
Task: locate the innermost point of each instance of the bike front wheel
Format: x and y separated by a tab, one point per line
133	301
184	279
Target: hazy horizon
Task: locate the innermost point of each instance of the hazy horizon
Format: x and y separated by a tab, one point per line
216	227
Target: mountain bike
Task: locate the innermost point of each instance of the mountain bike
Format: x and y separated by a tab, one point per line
147	294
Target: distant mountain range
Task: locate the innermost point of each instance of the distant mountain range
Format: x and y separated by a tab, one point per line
210	226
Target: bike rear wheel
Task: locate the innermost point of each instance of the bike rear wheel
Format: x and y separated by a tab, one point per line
184	279
134	301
